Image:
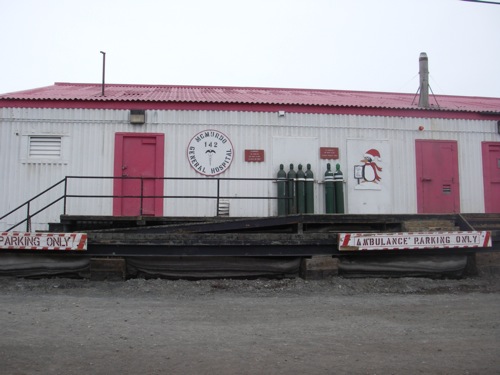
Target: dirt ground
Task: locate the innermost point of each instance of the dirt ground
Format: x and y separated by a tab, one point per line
289	326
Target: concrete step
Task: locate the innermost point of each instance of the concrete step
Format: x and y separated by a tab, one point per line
111	269
318	267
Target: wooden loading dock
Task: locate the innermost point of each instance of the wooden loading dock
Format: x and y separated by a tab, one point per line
196	246
293	235
313	246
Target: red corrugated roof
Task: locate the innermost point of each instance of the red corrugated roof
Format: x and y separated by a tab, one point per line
249	96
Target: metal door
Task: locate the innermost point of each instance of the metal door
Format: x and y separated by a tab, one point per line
491	176
437	177
138	158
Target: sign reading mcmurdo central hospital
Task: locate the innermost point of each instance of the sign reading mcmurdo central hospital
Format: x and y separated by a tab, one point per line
413	241
210	152
42	241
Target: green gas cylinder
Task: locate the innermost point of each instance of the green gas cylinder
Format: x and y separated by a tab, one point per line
301	190
292	191
338	179
282	192
309	190
329	191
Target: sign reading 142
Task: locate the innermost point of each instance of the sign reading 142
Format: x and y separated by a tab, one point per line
210	152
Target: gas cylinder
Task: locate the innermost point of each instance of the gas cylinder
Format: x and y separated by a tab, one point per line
329	191
338	179
301	190
309	190
292	191
282	192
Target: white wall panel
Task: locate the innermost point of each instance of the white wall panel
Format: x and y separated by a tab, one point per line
88	150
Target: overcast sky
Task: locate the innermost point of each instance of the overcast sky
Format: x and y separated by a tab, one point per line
365	45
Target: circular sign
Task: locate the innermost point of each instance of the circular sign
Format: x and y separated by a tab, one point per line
210	152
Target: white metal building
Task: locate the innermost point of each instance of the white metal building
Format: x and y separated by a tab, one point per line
396	156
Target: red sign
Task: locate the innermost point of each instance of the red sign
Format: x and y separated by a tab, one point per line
329	152
254	155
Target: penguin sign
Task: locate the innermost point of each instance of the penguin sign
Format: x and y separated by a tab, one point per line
368	173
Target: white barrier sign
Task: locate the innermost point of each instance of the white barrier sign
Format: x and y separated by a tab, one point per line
43	241
413	241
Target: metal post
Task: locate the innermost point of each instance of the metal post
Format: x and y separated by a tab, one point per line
218	195
103	70
28	218
65	193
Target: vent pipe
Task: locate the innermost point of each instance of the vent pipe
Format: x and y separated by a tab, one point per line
423	101
103	71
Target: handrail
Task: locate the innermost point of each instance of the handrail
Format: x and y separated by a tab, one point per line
29	216
66	194
28	203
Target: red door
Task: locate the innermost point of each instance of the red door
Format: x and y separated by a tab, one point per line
491	176
138	158
437	177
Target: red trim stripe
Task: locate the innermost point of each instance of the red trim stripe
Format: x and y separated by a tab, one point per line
347	238
486	239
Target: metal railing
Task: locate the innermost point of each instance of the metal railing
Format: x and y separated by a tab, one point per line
27	206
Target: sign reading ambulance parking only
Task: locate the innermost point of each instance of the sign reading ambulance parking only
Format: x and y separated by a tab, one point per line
413	241
43	241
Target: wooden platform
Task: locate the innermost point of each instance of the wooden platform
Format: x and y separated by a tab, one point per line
293	235
201	247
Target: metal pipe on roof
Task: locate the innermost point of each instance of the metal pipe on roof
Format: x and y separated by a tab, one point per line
103	71
423	100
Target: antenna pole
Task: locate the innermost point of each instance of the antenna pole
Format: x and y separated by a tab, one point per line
103	70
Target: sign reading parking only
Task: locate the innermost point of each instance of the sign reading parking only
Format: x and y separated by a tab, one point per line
43	241
413	241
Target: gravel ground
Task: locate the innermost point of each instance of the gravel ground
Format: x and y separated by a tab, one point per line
288	326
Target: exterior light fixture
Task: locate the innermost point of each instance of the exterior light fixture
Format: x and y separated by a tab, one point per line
137	116
281	113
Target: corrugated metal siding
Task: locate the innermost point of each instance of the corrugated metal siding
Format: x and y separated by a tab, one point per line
88	150
181	128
